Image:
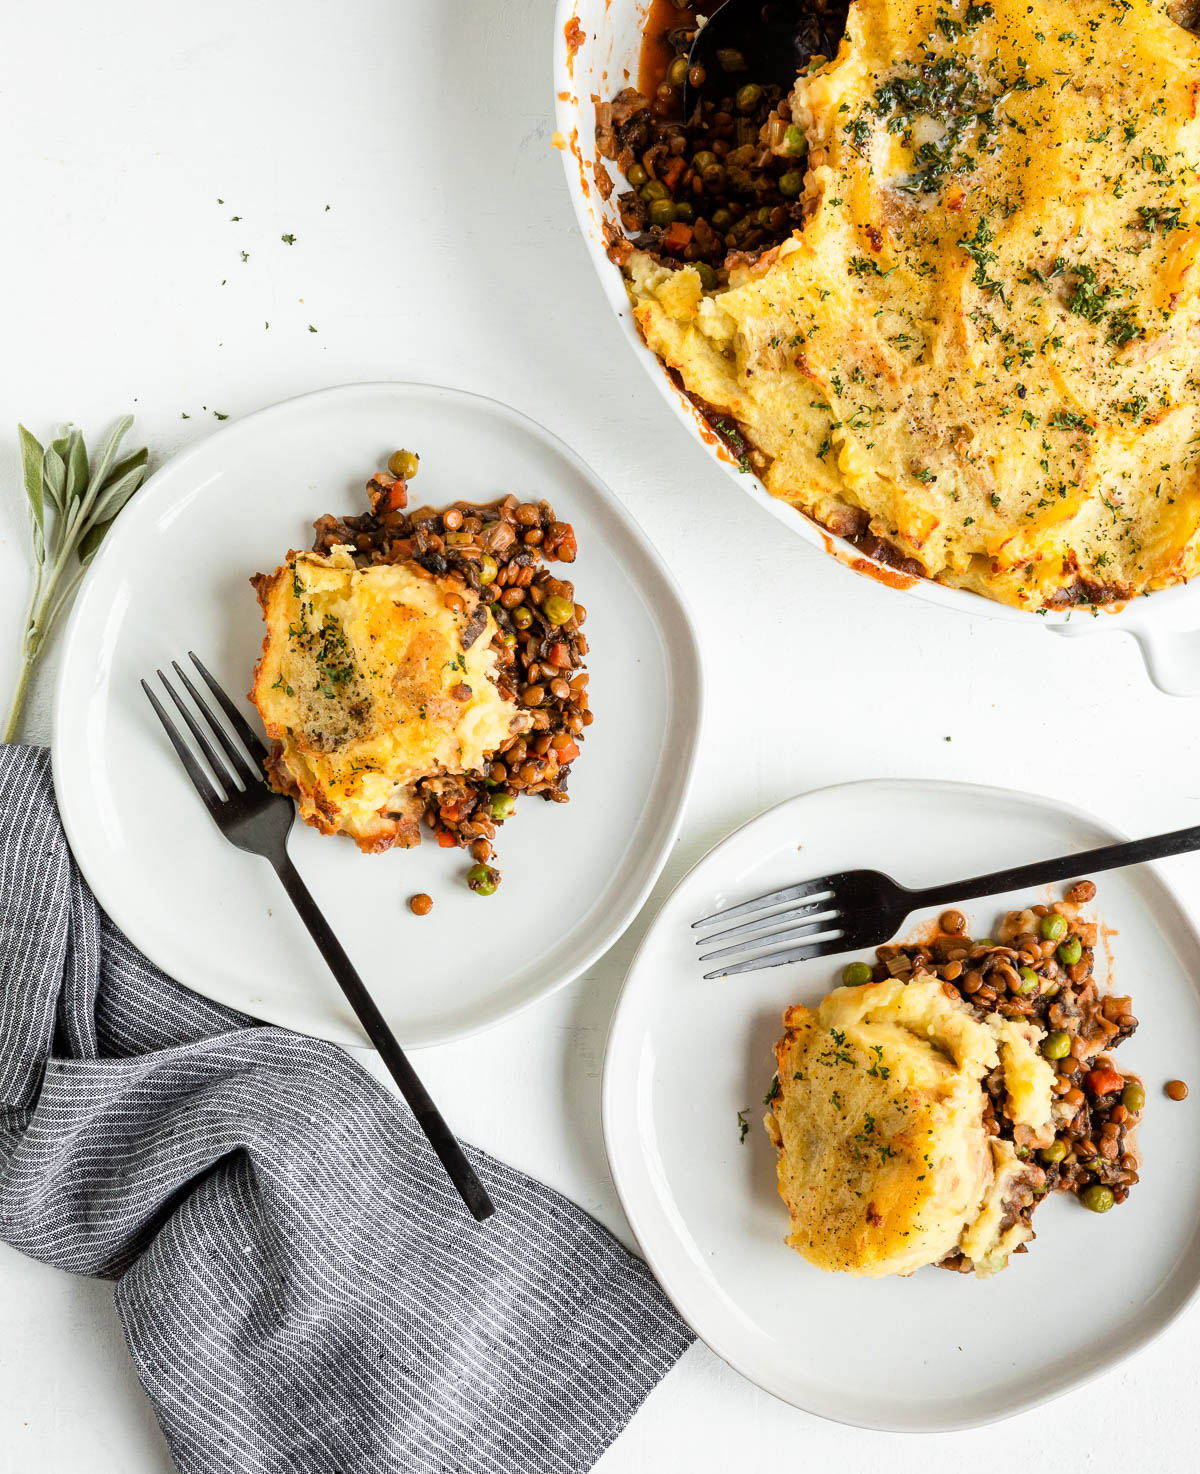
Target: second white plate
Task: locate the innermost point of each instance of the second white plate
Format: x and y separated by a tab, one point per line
173	576
936	1351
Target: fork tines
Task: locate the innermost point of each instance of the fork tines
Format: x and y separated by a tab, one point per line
237	773
772	923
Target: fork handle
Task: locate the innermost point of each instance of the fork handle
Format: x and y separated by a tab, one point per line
1069	867
429	1118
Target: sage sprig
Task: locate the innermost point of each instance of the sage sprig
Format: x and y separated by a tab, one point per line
72	504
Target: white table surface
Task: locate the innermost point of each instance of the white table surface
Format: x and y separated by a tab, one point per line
448	253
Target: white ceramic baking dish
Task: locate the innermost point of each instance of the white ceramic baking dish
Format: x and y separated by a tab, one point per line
596	48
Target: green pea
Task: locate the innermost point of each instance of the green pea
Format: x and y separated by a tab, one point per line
983	942
1054	927
661	212
1097	1197
522	617
502	805
794	140
1133	1097
1029	980
708	277
482	880
721	219
557	609
488	569
508	638
1070	951
705	159
855	974
748	97
1057	1045
653	189
714	178
731	59
403	463
1055	1152
677	71
791	183
636	175
685	211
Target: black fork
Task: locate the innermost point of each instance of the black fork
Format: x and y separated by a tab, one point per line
255	819
865	908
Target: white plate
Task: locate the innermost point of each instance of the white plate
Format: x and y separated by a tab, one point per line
172	576
936	1351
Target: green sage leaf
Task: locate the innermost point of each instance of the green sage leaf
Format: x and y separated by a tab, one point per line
89	543
118	491
31	470
54	478
75	455
102	465
135	458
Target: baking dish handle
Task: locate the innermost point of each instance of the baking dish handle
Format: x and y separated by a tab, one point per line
1172	656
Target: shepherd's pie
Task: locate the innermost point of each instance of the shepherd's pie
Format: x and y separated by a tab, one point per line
980	351
366	685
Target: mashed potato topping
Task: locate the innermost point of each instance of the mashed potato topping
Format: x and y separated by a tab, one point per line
884	1159
983	347
369	680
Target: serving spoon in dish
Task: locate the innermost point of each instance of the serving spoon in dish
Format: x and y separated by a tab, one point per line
865	908
752	41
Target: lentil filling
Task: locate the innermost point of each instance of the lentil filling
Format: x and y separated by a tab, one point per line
501	550
723	184
1040	968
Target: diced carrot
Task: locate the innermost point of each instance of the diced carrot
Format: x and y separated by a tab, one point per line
559	654
677	237
1104	1081
387	493
569	752
452	813
673	172
445	839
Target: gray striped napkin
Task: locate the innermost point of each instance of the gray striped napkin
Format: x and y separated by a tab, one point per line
300	1287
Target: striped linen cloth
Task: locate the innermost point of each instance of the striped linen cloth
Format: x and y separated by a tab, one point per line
300	1287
